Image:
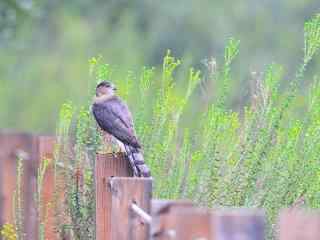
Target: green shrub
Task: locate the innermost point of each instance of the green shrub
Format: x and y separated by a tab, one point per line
265	155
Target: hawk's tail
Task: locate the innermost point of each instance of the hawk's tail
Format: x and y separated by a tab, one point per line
136	160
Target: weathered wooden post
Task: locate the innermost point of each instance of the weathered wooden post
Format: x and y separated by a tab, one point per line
244	224
14	146
106	166
180	220
162	224
298	224
46	153
126	192
191	223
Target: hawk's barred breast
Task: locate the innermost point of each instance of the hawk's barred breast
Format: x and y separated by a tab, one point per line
114	117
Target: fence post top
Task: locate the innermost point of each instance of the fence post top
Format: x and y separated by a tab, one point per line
136	179
241	212
110	155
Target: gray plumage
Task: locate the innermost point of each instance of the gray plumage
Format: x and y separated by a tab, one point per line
114	117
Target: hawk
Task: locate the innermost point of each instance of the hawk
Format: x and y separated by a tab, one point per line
113	116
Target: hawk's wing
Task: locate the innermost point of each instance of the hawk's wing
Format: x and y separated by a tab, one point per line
114	117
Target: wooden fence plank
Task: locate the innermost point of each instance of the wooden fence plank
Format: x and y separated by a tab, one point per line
106	166
160	206
161	210
191	223
299	225
244	224
187	223
125	191
46	152
13	145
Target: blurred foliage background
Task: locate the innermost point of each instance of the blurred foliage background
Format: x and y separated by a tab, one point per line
242	131
45	46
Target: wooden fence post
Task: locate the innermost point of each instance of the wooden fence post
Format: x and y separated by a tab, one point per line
192	223
187	223
298	224
244	224
161	210
125	192
12	147
46	152
106	166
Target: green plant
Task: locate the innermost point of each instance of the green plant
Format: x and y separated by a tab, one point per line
18	199
265	155
38	196
8	232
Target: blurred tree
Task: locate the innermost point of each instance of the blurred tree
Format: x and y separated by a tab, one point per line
45	44
12	12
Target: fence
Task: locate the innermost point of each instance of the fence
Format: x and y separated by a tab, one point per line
125	209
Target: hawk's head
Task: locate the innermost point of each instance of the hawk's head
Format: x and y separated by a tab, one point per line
106	89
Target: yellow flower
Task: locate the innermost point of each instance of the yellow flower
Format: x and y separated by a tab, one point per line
8	232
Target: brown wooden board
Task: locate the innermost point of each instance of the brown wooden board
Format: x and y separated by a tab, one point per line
46	152
125	191
161	210
186	223
24	145
244	224
106	166
192	223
